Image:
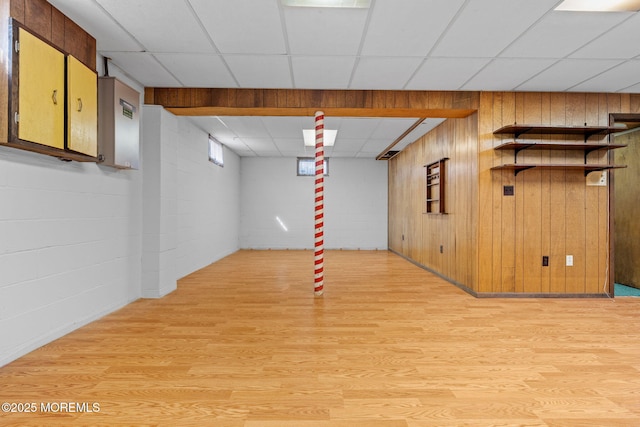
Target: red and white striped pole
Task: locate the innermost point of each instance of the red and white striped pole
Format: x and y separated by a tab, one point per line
319	206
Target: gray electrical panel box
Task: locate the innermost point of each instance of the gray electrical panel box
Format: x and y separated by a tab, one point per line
118	124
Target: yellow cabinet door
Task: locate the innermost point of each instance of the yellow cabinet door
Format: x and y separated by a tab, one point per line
41	92
82	105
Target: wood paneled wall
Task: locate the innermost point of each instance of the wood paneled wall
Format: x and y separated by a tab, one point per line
418	235
52	25
498	241
553	213
627	201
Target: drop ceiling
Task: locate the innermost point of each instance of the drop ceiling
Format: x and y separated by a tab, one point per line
511	45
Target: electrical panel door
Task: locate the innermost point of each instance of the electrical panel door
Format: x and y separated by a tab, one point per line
40	114
82	104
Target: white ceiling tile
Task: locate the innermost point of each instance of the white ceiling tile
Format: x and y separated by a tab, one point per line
169	27
142	67
349	145
260	145
425	127
566	74
324	31
357	127
373	147
322	72
216	128
614	43
392	128
416	25
260	71
197	70
285	127
560	33
257	30
506	73
91	17
246	127
621	78
237	146
289	144
485	27
445	73
384	73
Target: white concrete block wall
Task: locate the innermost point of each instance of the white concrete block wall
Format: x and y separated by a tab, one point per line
69	246
160	138
208	201
355	204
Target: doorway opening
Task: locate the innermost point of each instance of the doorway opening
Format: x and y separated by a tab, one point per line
626	195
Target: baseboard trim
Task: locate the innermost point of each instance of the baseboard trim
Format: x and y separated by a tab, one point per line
500	294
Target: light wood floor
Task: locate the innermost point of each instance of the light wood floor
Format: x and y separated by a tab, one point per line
244	343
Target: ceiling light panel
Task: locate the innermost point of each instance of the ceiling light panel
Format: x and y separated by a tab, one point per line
600	5
328	137
360	4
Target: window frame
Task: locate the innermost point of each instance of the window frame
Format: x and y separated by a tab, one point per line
313	162
216	151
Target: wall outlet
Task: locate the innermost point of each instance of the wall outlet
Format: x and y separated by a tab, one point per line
569	260
545	261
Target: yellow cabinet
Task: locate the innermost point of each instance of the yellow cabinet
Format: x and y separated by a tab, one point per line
82	108
40	115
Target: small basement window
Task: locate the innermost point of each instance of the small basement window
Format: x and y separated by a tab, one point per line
307	166
215	151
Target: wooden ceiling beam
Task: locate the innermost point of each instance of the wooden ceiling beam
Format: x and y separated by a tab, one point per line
305	102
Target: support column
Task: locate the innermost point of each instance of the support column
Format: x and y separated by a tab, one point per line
319	206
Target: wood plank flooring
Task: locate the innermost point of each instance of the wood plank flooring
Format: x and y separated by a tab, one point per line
244	342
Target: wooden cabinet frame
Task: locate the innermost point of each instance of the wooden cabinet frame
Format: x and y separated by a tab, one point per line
436	187
14	107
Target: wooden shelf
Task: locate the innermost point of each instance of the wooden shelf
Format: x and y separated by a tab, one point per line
519	167
435	197
557	146
585	131
586	147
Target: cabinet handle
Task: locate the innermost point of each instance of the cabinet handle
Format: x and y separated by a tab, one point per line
79	104
54	97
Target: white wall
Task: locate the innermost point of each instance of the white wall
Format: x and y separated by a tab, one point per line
69	246
160	203
208	201
355	204
80	240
